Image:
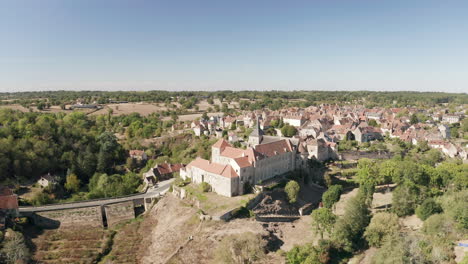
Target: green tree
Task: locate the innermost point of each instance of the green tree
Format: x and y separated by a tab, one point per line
310	254
382	225
73	183
292	190
428	208
323	220
205	116
288	131
108	151
205	187
373	123
349	228
131	164
414	119
332	195
405	199
41	106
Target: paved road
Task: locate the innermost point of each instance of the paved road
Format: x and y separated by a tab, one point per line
160	188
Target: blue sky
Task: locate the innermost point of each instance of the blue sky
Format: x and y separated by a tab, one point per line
213	45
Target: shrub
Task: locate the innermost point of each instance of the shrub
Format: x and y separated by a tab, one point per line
438	225
14	248
381	226
292	190
309	253
332	195
393	251
240	248
41	199
205	187
454	205
428	208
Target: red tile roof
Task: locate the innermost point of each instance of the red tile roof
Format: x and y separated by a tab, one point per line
274	148
167	168
243	162
232	153
215	168
221	143
136	152
8	200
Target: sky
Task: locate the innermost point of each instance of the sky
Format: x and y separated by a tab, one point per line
417	45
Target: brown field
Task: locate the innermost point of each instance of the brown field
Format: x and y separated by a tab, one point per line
52	109
143	109
15	107
204	105
192	117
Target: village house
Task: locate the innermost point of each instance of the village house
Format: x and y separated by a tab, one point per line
138	154
374	115
444	131
160	172
367	134
450	150
319	149
310	128
294	120
47	180
8	205
451	119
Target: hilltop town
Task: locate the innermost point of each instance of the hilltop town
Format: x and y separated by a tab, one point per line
184	178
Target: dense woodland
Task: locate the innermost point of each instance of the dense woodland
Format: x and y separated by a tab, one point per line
84	152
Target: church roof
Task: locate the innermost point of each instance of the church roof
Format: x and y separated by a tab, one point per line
215	168
274	148
221	143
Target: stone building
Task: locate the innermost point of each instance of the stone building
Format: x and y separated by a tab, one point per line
231	168
8	205
47	180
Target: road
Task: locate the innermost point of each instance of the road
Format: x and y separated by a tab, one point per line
160	188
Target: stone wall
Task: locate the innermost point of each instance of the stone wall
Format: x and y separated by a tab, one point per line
87	216
119	212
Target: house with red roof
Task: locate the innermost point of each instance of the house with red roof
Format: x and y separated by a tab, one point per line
138	154
8	204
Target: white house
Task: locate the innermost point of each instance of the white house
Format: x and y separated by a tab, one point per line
295	120
46	180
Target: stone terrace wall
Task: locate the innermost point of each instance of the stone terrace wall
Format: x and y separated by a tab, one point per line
87	216
116	213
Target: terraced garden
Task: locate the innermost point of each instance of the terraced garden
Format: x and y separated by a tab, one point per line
78	245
